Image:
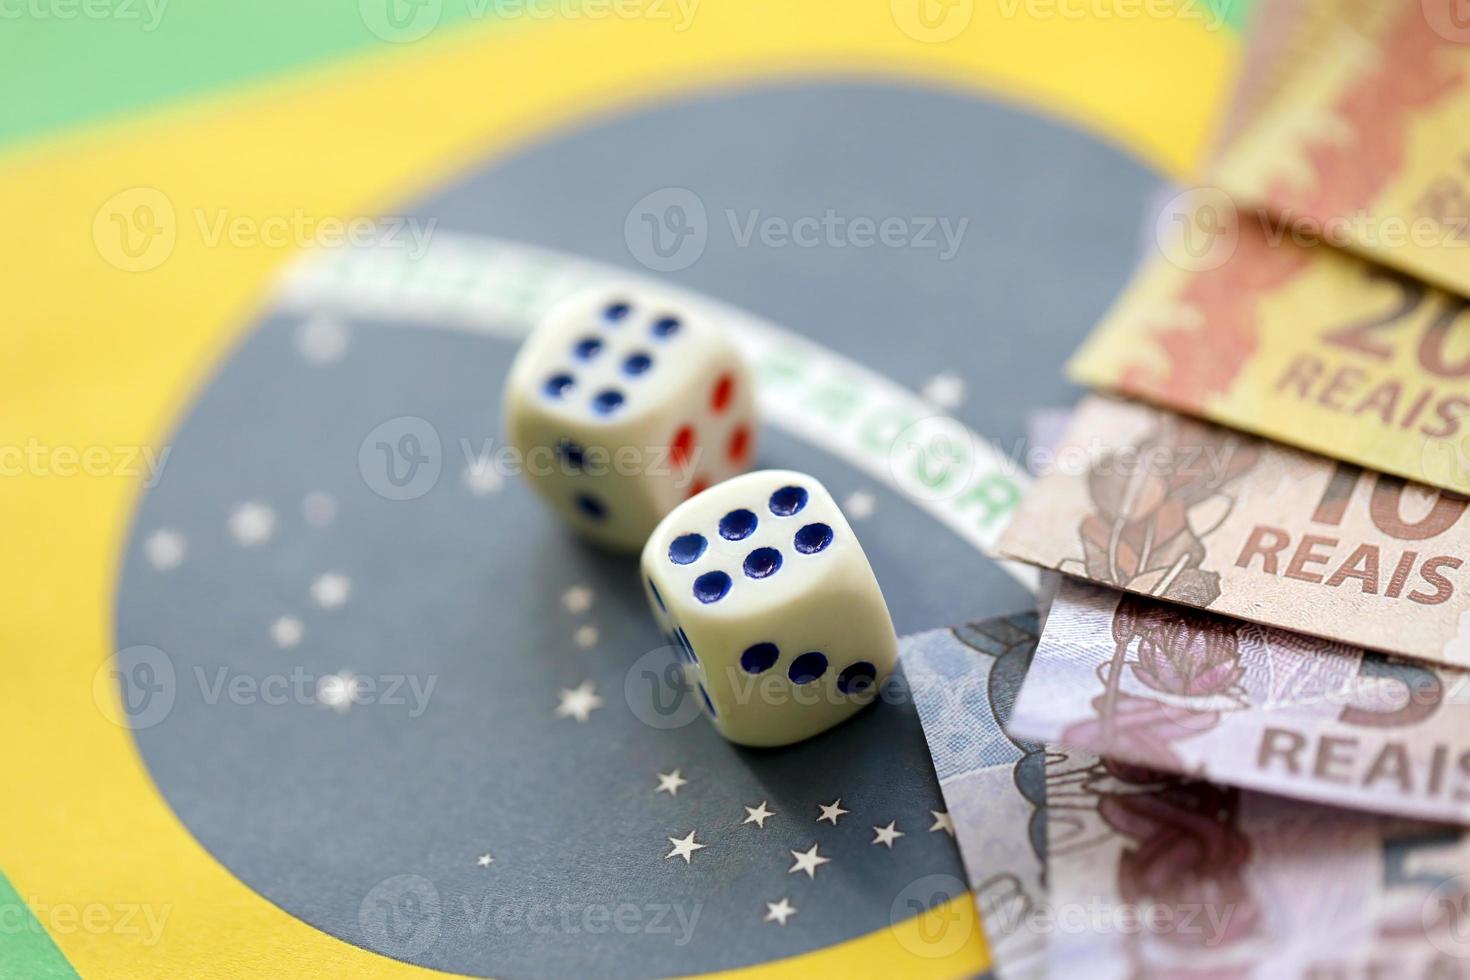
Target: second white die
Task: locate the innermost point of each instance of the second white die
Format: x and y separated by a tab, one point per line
762	587
623	402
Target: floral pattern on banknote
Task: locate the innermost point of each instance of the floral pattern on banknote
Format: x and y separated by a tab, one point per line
1184	675
1155	503
1184	851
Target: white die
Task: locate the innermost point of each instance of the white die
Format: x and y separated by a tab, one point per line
624	403
764	590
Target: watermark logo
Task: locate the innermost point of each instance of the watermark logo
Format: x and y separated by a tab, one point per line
933	458
1445	462
932	21
146	13
1445	916
667	230
400	21
658	692
135	230
940	926
1198	230
401	459
400	916
143	920
135	687
1450	19
1211	16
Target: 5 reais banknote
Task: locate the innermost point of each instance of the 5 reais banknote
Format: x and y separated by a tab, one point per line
1157	877
1178	690
1151	502
964	682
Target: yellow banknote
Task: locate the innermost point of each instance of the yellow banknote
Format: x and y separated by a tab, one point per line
1307	345
1370	147
1150	502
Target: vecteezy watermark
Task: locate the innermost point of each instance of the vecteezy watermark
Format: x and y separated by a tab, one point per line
1199	229
36	458
401	459
1205	924
139	686
1445	916
1212	16
932	21
144	920
669	229
404	458
406	915
137	229
1450	19
147	14
1445	462
927	921
666	686
405	21
658	690
934	458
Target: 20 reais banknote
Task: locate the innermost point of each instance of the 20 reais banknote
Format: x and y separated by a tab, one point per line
1156	877
1155	503
1309	346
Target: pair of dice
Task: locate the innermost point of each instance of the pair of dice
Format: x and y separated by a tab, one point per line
635	419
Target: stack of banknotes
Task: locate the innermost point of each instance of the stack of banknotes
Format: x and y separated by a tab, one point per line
1235	739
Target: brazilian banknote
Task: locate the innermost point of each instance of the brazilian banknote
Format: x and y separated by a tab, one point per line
1155	876
964	682
1166	506
1177	690
1369	147
1235	321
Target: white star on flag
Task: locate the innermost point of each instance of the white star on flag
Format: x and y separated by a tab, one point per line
941	822
780	911
578	599
945	390
758	815
887	835
808	861
331	590
287	631
252	524
669	782
578	702
585	637
831	811
165	549
338	691
480	477
859	505
318	508
684	847
321	340
484	860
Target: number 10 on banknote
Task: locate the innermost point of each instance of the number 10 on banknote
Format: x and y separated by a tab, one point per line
1166	506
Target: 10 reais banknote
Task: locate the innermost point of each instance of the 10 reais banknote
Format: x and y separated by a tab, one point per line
1151	502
